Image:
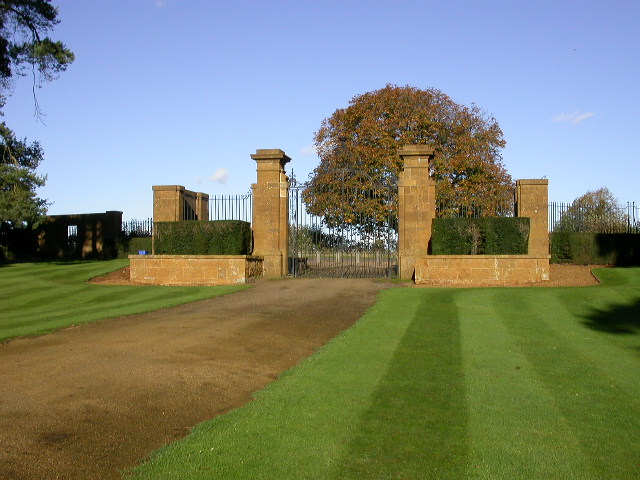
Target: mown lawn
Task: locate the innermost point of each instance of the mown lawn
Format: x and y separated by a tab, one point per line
490	383
37	298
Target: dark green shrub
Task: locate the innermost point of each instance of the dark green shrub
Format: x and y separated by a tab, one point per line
128	245
581	248
220	237
480	236
18	244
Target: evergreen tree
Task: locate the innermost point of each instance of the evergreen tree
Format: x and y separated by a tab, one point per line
25	50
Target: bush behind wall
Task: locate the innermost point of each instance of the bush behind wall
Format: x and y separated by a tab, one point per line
219	237
581	248
480	236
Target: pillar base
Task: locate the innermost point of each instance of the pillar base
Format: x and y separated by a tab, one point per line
272	265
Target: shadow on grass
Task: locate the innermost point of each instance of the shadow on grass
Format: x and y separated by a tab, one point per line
617	319
417	423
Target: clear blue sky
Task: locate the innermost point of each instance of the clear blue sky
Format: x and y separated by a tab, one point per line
167	92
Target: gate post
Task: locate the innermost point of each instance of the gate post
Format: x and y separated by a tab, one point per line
532	200
271	211
416	207
168	203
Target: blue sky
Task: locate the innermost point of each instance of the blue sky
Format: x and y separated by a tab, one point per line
167	92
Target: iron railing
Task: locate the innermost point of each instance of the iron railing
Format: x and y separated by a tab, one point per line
571	217
344	242
231	207
498	209
188	205
138	228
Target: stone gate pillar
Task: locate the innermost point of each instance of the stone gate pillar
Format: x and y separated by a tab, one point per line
167	203
202	206
173	203
532	200
416	206
271	211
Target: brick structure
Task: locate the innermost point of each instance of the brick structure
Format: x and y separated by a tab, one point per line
532	200
416	206
192	270
271	211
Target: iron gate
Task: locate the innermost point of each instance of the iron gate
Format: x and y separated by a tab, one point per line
343	228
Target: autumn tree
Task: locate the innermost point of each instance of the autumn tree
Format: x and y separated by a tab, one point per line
596	211
358	145
25	50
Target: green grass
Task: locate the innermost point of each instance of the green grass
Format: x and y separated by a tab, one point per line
37	298
490	383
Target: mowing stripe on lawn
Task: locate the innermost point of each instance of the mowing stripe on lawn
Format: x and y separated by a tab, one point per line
301	425
417	423
589	398
38	298
81	297
489	383
516	429
610	356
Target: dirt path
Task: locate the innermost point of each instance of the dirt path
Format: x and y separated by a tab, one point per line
86	402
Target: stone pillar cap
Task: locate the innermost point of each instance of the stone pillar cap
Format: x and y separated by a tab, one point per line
534	181
407	150
168	187
270	154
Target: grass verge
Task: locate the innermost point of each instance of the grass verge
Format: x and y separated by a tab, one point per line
37	298
490	383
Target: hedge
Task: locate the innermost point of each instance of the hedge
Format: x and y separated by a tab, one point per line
220	237
480	236
580	248
128	245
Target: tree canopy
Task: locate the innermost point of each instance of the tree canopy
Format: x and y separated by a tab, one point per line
596	211
19	204
364	138
25	49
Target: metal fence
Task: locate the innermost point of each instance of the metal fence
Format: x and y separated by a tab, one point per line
571	217
231	207
498	209
221	207
352	239
566	217
562	216
189	202
138	228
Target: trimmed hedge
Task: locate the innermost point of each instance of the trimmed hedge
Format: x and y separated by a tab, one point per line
480	236
132	245
581	248
219	237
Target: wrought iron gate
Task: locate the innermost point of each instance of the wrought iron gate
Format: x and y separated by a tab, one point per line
344	228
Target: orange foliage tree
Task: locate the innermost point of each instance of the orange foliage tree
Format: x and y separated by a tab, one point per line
358	148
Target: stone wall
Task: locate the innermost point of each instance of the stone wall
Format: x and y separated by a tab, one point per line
417	208
481	270
97	235
194	270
